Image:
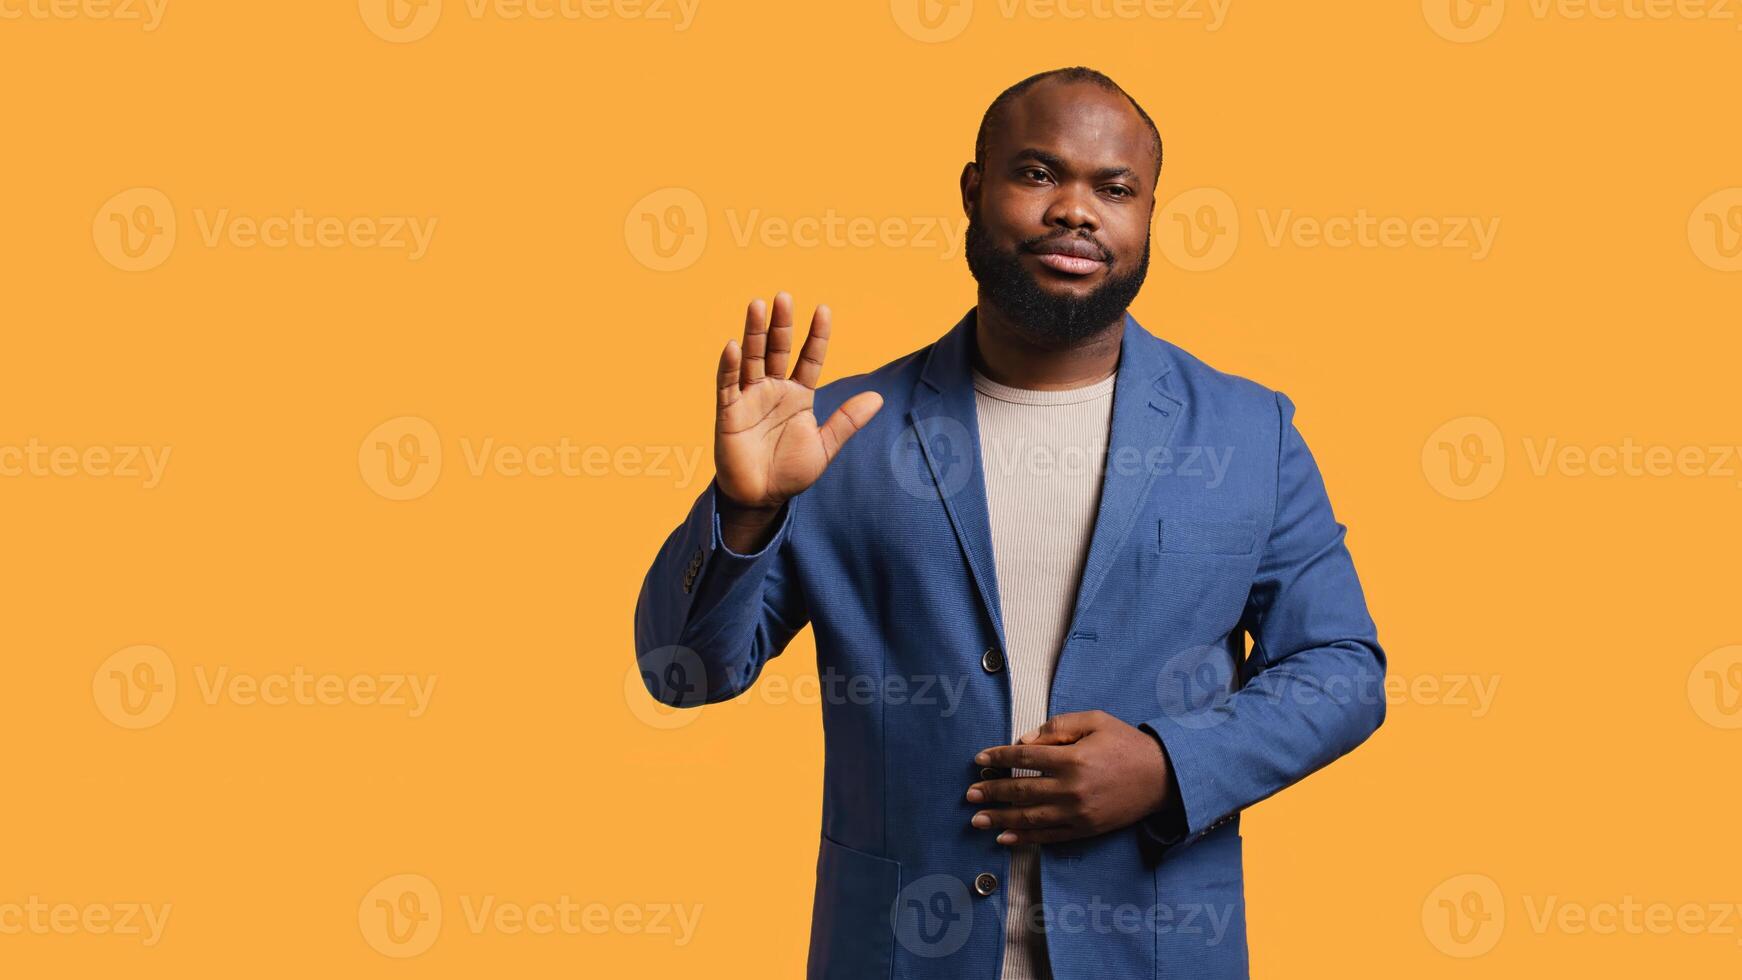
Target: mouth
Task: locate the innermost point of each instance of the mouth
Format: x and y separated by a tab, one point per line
1069	256
1070	265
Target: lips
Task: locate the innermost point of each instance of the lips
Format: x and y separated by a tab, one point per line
1071	256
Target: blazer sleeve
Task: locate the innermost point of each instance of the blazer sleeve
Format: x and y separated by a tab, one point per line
708	618
1314	680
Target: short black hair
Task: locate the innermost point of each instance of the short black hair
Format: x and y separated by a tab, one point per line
995	112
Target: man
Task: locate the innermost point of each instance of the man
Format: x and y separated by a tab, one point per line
1073	523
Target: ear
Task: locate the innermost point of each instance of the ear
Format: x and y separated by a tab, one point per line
970	188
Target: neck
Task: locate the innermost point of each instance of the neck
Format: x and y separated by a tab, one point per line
1007	356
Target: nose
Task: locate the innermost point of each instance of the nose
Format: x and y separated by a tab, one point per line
1073	208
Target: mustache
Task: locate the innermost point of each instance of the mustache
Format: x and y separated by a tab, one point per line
1032	244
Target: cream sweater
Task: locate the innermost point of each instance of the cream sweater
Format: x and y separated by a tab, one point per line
1043	454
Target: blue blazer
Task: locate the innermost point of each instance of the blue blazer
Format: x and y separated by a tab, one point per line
1213	527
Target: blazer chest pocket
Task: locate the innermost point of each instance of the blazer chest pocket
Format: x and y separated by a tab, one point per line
1198	537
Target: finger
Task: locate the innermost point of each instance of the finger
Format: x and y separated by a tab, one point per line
852	416
780	336
1062	729
727	380
755	342
1024	789
1048	835
1045	758
1021	818
809	369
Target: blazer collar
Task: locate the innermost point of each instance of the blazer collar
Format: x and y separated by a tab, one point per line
946	427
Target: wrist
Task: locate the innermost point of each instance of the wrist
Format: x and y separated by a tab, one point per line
1170	811
746	529
738	514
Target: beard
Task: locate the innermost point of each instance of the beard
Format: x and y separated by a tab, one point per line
1051	320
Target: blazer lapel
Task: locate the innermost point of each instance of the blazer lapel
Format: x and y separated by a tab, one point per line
1145	417
947	428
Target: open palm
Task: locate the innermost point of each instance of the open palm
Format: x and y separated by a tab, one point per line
767	445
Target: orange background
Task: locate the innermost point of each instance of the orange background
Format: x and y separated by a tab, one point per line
1600	610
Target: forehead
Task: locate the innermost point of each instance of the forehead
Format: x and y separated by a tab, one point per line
1078	121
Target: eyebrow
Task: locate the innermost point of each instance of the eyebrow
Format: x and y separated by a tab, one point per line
1053	161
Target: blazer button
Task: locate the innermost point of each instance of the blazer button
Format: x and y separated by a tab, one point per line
989	773
992	661
985	883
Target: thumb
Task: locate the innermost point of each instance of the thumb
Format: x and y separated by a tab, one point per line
1061	729
852	416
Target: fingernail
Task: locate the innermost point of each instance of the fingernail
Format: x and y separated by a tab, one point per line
1007	838
981	820
982	759
974	795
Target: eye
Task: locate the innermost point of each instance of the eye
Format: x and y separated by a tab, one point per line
1123	190
1026	171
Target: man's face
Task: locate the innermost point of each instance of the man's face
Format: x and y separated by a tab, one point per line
1070	171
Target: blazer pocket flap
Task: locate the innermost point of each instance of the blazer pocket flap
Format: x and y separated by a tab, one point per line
852	934
1207	537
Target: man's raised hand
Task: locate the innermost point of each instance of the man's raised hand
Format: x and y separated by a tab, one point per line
768	447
